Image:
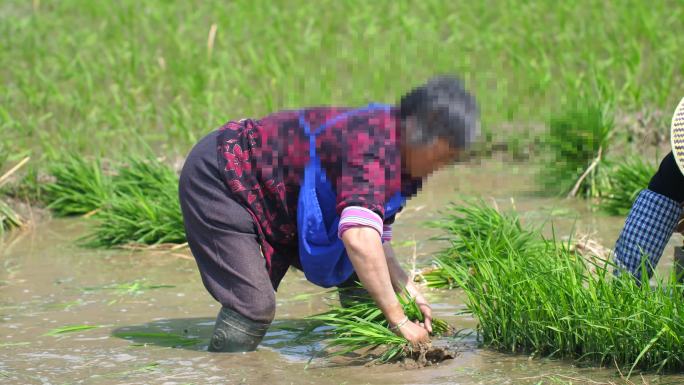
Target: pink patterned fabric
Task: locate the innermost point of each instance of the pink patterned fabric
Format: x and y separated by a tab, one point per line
386	233
262	163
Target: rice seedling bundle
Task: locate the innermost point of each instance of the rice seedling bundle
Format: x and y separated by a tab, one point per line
144	175
552	302
625	181
362	326
138	205
143	210
476	223
577	140
80	186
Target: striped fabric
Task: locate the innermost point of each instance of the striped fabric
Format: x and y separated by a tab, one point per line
386	233
355	216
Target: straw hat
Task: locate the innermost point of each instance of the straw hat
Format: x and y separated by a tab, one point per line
677	135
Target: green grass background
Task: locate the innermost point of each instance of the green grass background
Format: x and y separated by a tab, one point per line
113	77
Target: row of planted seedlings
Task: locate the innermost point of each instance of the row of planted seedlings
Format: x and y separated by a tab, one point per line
134	202
542	297
578	159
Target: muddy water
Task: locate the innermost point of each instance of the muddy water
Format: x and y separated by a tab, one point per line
143	303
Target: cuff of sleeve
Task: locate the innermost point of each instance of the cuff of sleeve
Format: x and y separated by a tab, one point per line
355	216
386	233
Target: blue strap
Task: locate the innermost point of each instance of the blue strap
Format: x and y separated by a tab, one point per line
321	253
332	122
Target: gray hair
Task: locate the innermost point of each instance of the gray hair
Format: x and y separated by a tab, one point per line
441	108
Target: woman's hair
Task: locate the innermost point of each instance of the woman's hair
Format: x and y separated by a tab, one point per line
441	108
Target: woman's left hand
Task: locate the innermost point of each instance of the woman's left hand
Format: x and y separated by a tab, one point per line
423	305
401	281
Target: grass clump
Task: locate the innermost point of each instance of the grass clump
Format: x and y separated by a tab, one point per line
143	210
577	141
475	223
71	329
362	326
79	187
137	205
144	175
166	339
625	182
552	302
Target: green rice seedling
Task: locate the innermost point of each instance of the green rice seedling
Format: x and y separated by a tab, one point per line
71	329
625	181
9	344
139	217
436	276
476	221
80	187
9	219
144	175
141	338
129	288
142	368
363	326
554	303
144	208
472	223
577	141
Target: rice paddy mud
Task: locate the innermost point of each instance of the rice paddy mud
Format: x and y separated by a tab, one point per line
74	315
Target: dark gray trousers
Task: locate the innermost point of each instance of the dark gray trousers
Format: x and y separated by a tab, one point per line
223	237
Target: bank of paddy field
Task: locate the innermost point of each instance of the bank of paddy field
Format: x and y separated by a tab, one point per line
107	97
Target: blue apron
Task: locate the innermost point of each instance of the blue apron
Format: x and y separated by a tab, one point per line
322	253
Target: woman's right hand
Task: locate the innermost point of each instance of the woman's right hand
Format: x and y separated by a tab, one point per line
414	333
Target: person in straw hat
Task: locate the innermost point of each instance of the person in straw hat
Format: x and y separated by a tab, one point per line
657	211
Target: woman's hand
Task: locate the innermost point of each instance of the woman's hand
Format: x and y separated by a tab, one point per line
401	282
413	332
423	305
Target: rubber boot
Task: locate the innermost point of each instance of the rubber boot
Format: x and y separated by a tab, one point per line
235	333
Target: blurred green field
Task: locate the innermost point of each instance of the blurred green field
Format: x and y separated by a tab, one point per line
112	78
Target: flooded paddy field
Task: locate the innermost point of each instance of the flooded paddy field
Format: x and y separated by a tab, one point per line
105	80
73	315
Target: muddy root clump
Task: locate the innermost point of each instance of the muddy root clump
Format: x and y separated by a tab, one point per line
426	355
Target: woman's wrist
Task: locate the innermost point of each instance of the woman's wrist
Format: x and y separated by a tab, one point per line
396	326
395	314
